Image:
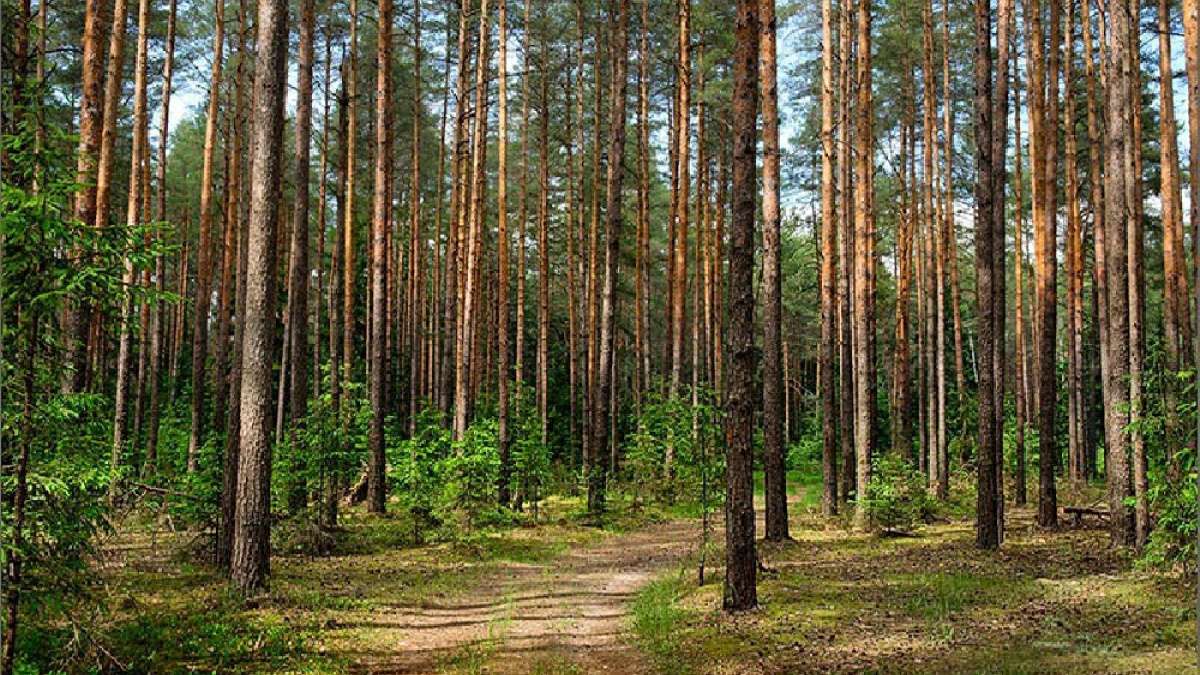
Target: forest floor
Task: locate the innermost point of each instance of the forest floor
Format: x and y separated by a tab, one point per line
565	598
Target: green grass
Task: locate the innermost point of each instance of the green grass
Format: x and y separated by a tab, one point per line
655	621
938	597
1058	603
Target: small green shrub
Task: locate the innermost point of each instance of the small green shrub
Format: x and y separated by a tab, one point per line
415	469
471	472
896	499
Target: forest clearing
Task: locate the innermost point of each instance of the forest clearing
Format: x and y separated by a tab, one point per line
583	336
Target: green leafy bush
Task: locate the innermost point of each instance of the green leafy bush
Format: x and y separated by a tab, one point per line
529	457
415	468
471	472
896	499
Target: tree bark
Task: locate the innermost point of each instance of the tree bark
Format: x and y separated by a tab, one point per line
741	561
251	543
523	212
1118	213
774	471
642	301
1074	260
864	268
829	247
1022	372
1176	301
377	461
543	242
200	307
1096	207
300	273
987	535
351	140
598	478
91	128
936	317
475	215
845	166
504	245
133	218
158	335
1047	289
683	140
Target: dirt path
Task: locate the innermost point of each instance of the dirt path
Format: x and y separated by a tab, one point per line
571	615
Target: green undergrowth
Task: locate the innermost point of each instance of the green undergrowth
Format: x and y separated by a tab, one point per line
832	601
655	621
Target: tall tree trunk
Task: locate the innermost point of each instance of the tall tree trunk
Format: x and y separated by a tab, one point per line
1176	302
591	370
845	167
1096	207
297	322
1047	288
899	399
200	308
416	268
597	478
741	561
774	471
133	218
642	302
351	140
683	124
504	245
935	316
987	533
543	241
574	206
251	542
335	280
951	237
523	212
238	209
229	258
452	288
91	128
1074	260
864	268
377	461
158	335
475	216
1118	214
1022	372
1137	306
318	292
1004	21
107	159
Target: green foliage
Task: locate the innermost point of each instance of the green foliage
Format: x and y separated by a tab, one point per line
528	456
472	470
415	469
67	481
896	499
1172	491
691	435
655	619
804	457
332	442
48	259
204	485
220	637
